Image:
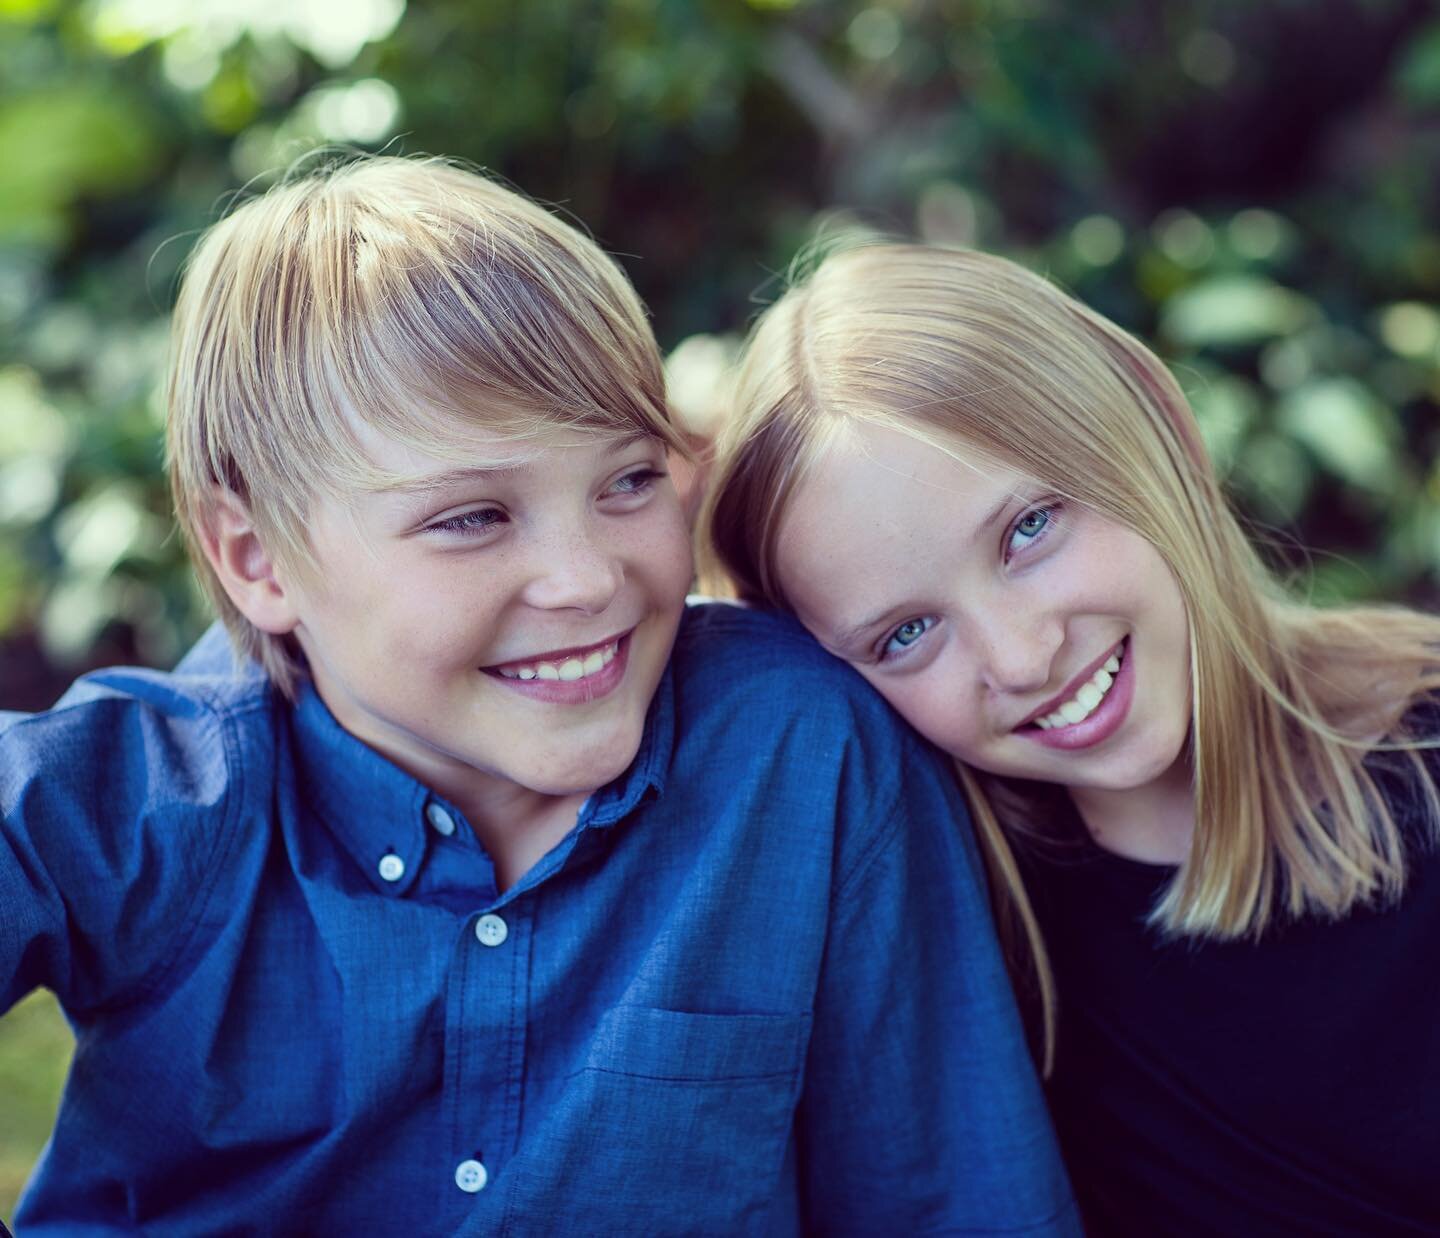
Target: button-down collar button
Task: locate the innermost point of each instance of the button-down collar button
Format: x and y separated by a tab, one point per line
491	930
440	820
392	867
471	1176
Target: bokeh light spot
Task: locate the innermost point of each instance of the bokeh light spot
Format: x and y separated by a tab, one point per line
1097	240
874	34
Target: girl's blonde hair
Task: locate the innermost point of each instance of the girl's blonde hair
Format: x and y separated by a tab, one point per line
412	295
962	348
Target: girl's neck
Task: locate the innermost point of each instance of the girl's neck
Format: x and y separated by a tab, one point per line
1153	824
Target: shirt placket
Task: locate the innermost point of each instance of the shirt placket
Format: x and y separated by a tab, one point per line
486	1015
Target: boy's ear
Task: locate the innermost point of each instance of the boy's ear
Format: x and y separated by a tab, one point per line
246	569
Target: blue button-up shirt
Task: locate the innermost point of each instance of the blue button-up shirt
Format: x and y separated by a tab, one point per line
754	990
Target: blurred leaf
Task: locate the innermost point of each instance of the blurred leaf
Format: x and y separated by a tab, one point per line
26	10
59	144
31	425
1226	407
1350	431
14	590
1233	309
1275	476
74	614
1418	76
29	488
230	101
103	528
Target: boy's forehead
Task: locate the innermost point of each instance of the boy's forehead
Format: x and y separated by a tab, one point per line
400	465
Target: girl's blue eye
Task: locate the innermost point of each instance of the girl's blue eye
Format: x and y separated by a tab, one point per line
906	635
1030	528
477	521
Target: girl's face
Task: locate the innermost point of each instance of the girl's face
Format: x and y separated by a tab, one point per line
1024	634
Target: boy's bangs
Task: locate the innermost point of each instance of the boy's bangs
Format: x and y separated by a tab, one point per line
448	342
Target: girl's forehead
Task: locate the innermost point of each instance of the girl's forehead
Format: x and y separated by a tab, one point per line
876	453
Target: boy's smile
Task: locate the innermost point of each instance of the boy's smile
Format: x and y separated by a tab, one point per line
498	630
569	675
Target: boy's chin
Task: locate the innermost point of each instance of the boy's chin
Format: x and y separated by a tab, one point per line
586	775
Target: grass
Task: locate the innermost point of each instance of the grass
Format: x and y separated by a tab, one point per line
35	1048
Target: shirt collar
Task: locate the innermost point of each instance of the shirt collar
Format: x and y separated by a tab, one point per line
373	807
378	812
646	773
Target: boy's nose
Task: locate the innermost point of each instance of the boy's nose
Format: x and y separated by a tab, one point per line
576	573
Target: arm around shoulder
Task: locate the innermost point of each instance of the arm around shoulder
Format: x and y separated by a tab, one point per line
114	811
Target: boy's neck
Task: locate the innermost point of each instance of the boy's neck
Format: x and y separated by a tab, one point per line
518	826
1153	823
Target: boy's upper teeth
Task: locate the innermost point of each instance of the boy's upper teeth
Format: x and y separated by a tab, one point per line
1086	699
567	669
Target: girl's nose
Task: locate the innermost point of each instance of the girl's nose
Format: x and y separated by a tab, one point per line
1018	651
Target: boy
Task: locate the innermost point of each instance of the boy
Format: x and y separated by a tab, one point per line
494	892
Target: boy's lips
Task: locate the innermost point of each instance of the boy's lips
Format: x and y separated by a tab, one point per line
572	675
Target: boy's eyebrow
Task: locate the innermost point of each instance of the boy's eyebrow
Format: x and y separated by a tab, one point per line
451	477
852	634
473	473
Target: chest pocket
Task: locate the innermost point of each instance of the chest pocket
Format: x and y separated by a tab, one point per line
677	1123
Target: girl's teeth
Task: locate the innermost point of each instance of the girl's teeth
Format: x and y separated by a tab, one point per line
571	669
595	662
1086	700
546	671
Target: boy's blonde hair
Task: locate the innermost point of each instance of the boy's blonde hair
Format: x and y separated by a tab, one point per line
412	295
961	349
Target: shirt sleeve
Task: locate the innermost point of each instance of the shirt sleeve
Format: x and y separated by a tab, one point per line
921	1111
111	811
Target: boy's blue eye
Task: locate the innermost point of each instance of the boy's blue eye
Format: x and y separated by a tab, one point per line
906	635
476	521
639	481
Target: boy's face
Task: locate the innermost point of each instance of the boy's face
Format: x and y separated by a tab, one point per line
499	630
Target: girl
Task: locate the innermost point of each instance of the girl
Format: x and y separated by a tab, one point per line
996	505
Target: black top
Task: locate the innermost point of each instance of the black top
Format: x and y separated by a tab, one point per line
1289	1087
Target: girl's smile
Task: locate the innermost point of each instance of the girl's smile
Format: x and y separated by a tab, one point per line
1091	709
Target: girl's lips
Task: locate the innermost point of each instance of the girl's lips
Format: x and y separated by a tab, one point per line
1100	725
572	691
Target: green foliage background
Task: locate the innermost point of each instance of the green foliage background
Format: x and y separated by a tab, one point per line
1252	186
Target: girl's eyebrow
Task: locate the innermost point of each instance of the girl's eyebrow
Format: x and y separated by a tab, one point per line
857	631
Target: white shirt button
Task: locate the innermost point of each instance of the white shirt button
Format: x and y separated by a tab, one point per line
491	930
440	820
392	867
471	1176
